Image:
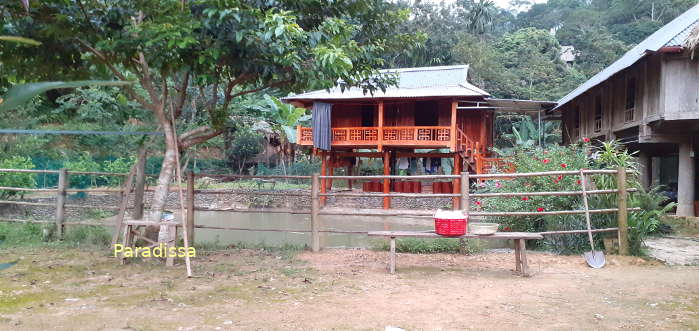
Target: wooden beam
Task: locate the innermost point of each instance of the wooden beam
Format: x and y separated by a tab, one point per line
380	137
452	132
484	135
386	181
622	215
315	217
61	201
323	172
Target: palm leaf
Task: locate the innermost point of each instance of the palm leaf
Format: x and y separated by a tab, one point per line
20	94
20	40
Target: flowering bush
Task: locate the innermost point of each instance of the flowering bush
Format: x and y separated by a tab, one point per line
566	158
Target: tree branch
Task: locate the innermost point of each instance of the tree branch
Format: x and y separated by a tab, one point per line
199	139
182	95
103	58
261	88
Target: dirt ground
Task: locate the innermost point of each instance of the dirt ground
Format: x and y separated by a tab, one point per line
71	289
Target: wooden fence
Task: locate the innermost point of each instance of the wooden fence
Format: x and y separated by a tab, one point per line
317	197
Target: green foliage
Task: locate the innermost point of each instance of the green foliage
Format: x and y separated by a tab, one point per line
13	179
118	165
522	130
88	235
20	94
83	162
243	147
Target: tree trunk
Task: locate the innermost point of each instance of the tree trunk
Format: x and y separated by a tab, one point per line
166	172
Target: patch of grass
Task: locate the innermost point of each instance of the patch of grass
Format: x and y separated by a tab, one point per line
13	234
286	251
32	234
427	246
88	236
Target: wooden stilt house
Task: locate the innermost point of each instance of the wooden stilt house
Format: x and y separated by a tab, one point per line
433	113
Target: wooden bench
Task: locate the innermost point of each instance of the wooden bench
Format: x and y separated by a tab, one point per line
519	239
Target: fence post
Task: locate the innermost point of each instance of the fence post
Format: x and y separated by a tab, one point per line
315	217
190	207
61	201
140	186
465	195
622	214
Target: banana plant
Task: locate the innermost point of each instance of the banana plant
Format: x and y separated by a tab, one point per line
283	118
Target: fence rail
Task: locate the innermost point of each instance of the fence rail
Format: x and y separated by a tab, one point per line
463	196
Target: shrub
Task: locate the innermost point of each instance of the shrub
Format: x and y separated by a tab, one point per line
84	162
14	179
118	165
609	155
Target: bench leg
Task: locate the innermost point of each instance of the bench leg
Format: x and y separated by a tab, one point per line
392	257
518	256
523	257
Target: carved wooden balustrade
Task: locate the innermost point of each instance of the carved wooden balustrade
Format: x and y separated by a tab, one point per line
437	136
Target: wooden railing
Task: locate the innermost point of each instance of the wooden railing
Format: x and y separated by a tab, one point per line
438	136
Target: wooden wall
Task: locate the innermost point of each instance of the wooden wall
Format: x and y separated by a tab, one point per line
666	88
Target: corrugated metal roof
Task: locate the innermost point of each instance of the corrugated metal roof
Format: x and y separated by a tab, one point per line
672	34
440	81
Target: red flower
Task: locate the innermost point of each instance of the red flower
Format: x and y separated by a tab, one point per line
525	198
478	203
579	182
560	177
507	228
563	165
546	161
540	209
586	140
555	181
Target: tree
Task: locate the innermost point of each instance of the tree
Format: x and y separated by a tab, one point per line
212	50
480	16
532	56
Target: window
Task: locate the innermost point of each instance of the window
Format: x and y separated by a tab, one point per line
576	122
630	100
598	113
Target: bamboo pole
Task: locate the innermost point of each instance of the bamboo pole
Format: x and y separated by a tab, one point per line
126	189
61	201
577	231
190	205
185	221
21	189
315	216
622	215
140	185
393	195
31	171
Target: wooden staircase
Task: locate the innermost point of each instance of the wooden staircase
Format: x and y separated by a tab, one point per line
475	157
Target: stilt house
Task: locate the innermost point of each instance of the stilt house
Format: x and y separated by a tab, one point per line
649	100
433	113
